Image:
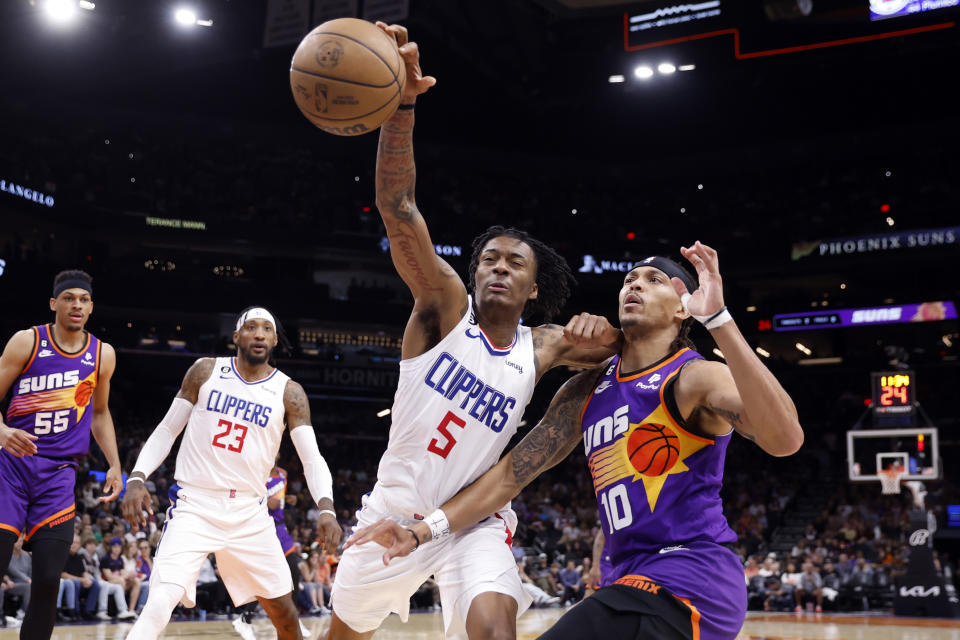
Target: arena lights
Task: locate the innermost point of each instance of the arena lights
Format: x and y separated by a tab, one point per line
666	68
643	72
383	413
889	221
803	349
188	18
687	67
718	353
616	79
60	11
763	352
751	309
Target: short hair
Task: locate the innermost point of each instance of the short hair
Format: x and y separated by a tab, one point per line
554	278
73	274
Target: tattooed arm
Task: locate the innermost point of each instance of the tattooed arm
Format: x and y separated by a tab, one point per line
440	298
547	444
586	341
742	394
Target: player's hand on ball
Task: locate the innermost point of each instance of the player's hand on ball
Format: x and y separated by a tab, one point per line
112	485
708	298
137	505
397	539
589	331
16	441
329	532
417	83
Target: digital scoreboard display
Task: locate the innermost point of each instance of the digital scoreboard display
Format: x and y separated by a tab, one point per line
893	314
893	391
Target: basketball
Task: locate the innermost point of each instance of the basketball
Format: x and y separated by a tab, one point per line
347	76
653	449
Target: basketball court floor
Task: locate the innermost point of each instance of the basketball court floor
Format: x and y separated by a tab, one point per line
428	626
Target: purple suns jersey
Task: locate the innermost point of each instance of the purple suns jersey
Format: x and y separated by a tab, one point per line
277	488
658	491
52	396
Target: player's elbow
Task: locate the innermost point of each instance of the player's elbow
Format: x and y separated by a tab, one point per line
789	441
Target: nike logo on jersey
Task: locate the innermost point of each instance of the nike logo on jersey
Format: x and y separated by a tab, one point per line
48	382
45	353
603	386
451	379
678	547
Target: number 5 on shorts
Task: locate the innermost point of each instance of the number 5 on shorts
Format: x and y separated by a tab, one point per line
444	451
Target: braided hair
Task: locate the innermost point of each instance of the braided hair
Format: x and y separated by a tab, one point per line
283	343
554	278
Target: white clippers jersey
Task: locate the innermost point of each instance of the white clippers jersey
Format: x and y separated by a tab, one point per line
234	432
455	410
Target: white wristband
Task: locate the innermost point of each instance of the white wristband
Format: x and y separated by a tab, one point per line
135	479
323	511
711	321
438	523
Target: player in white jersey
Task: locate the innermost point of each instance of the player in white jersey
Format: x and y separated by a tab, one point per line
234	411
468	370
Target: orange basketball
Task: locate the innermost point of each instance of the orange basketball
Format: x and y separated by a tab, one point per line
653	449
347	76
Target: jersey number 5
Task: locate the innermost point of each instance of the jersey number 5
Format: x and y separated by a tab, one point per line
434	446
238	437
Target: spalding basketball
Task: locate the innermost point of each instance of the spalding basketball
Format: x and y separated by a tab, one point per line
653	449
347	76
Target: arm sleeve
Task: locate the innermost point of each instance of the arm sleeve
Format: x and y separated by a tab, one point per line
157	447
319	480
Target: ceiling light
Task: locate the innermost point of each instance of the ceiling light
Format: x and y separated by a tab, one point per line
763	352
802	348
751	309
687	67
643	72
615	79
889	221
186	17
383	413
60	11
718	353
666	68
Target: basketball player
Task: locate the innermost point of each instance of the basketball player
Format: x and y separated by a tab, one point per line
234	410
468	370
60	376
655	424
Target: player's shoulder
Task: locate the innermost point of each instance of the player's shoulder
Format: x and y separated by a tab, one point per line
200	370
701	374
21	344
293	390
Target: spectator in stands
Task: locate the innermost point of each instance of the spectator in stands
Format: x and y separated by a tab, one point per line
540	597
91	564
211	592
112	568
810	588
86	586
20	574
775	596
572	584
540	574
310	577
133	577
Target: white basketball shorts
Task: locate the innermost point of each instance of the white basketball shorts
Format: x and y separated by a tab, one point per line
470	562
238	530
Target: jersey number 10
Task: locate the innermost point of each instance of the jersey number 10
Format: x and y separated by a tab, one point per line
616	505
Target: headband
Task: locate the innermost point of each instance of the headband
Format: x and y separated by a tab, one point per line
73	283
670	268
253	314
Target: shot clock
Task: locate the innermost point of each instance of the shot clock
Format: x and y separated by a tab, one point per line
893	391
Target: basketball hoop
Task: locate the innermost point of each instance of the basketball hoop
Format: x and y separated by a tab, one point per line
890	479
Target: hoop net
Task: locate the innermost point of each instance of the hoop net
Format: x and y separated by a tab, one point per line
890	479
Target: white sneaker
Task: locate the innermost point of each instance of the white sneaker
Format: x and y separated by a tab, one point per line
127	615
245	629
304	631
12	623
103	615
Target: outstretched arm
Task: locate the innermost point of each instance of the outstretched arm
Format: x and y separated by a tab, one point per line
586	341
742	393
554	437
102	425
439	294
297	411
136	501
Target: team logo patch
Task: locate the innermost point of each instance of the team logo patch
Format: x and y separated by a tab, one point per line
88	359
45	353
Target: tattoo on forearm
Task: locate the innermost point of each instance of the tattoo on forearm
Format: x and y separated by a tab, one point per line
557	434
196	375
735	421
396	171
406	249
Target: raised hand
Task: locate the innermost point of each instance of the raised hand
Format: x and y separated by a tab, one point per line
398	540
417	83
588	331
708	298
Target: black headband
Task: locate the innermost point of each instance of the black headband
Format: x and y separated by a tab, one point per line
670	268
74	283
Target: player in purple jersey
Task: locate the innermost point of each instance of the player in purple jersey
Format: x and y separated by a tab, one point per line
59	375
655	422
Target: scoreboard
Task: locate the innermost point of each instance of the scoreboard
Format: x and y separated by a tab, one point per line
893	392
